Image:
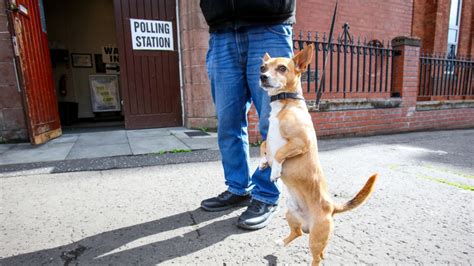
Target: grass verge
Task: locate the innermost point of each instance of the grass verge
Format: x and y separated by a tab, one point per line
444	181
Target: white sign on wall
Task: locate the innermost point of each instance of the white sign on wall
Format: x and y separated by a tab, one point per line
151	34
110	54
104	93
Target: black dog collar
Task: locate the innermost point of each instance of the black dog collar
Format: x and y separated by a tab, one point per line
286	95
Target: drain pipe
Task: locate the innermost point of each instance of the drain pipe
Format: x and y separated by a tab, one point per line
180	63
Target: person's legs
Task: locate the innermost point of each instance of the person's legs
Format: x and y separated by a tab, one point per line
226	68
276	40
233	62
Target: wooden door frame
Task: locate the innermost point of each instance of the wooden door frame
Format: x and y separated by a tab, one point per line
34	139
41	138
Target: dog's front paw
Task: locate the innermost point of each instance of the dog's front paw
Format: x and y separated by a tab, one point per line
276	171
263	164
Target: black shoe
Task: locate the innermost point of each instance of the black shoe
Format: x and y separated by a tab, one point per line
224	201
257	215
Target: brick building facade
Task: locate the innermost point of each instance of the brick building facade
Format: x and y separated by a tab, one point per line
12	117
369	20
431	22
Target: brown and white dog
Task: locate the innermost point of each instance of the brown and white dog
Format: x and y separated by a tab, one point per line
292	153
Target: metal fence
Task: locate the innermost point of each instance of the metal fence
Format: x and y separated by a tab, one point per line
443	77
354	69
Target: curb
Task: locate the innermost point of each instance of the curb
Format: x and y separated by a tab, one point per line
116	162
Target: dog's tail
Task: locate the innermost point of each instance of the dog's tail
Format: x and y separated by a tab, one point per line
360	198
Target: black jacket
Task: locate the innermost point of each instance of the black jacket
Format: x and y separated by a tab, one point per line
223	14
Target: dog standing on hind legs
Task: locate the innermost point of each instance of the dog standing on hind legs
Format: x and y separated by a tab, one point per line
292	153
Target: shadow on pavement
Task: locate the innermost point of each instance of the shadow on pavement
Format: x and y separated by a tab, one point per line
97	249
271	259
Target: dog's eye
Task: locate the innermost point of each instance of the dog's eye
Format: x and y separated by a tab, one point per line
262	68
281	68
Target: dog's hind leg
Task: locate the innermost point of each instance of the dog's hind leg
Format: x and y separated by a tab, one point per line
295	227
319	236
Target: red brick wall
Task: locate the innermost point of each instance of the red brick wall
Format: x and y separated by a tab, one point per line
379	121
373	19
424	19
12	118
387	20
431	23
199	110
466	35
441	26
198	107
254	134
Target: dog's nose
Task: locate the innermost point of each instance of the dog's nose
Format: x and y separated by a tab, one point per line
263	78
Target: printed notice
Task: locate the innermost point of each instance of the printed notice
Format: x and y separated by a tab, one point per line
151	34
110	54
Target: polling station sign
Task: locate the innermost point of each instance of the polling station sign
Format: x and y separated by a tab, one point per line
151	34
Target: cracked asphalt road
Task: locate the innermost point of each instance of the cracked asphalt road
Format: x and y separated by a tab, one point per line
421	211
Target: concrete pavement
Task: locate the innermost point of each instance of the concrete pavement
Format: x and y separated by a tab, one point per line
421	210
108	142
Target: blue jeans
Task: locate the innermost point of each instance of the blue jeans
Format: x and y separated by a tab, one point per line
233	64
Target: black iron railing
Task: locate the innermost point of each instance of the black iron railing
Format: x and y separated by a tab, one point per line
354	68
446	77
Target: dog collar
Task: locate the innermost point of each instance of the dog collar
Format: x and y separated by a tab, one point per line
286	95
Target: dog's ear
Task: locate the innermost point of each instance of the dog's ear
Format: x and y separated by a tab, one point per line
266	57
303	58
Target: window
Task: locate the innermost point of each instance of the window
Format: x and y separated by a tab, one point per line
453	31
42	16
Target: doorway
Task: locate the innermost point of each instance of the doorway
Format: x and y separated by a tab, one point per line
95	75
100	31
85	62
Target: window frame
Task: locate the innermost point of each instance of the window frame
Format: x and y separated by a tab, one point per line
456	28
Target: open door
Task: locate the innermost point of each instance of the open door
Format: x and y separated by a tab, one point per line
149	64
35	70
